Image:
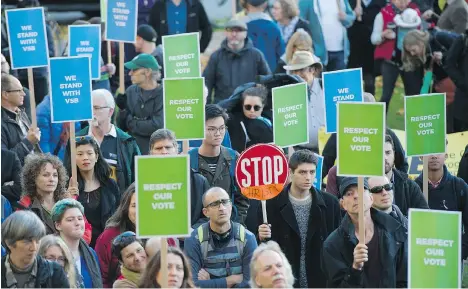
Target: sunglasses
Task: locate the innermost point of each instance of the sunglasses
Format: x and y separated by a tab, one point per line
255	107
216	204
379	189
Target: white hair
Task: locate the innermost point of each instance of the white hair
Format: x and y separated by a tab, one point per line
270	246
104	93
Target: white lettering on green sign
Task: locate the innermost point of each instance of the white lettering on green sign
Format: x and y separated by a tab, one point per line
183	65
431	253
163	200
184	110
290	116
359	142
425	124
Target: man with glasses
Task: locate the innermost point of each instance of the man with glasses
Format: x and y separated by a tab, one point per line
218	163
235	63
220	250
118	148
142	104
17	134
382	193
132	257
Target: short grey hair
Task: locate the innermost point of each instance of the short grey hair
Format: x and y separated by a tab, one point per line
21	225
270	246
104	93
162	134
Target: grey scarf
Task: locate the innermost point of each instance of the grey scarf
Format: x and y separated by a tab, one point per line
91	263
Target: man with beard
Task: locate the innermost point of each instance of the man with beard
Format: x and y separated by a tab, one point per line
407	193
118	148
446	192
235	63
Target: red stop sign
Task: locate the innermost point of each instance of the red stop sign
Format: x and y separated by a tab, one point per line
262	171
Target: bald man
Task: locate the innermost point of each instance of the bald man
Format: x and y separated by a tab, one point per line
382	192
220	250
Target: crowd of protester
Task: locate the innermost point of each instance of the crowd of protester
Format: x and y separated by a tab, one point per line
65	231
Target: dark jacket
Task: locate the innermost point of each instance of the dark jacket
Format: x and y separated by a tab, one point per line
144	116
456	66
11	172
127	149
450	195
197	20
398	215
441	41
227	69
12	136
339	247
49	274
199	185
329	153
407	194
325	217
462	166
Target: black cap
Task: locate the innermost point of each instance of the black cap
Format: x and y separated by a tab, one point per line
256	2
347	182
147	32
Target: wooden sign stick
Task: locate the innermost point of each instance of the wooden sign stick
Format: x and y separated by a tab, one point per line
358	5
265	219
164	271
109	53
362	228
121	66
32	98
185	146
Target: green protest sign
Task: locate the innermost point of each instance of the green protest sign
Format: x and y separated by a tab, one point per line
434	251
425	124
181	55
290	115
184	107
360	139
162	197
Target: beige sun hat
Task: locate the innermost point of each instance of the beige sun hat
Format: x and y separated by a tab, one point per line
303	59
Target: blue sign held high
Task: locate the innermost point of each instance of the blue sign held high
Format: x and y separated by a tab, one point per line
121	22
27	38
85	40
70	89
342	85
318	172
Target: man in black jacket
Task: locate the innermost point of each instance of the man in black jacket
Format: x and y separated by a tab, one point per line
407	193
300	219
237	62
163	142
181	16
379	261
11	176
446	192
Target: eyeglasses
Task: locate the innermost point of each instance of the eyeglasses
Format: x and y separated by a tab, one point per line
215	205
60	260
379	189
99	107
255	107
238	30
123	238
213	130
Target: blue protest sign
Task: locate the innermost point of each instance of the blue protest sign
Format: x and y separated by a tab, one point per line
318	172
121	19
70	89
27	38
342	85
85	40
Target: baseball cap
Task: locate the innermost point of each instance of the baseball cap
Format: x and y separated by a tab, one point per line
147	32
143	60
303	59
256	2
235	23
347	182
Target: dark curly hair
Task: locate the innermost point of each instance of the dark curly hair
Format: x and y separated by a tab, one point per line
33	166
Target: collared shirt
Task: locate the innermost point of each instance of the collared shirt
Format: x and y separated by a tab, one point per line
436	184
316	112
11	281
15	115
176	17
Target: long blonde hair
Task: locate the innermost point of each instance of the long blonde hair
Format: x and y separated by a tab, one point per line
414	37
69	267
299	41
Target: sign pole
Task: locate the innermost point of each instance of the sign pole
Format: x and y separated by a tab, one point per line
73	150
234	8
121	70
109	52
290	152
426	177
163	269
362	228
265	220
358	5
32	99
185	146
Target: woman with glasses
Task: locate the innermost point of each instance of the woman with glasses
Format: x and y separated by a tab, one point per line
98	193
178	271
132	255
53	248
44	181
248	124
67	215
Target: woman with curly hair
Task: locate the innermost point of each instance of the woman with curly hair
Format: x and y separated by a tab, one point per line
98	192
178	267
43	182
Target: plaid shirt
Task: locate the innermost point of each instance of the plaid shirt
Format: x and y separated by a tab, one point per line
10	276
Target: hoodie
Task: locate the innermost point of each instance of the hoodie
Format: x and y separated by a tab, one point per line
450	195
228	69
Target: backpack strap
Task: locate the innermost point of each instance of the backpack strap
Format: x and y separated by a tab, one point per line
239	231
193	153
203	238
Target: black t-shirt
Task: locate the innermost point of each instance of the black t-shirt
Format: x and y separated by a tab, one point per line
373	267
91	202
212	163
